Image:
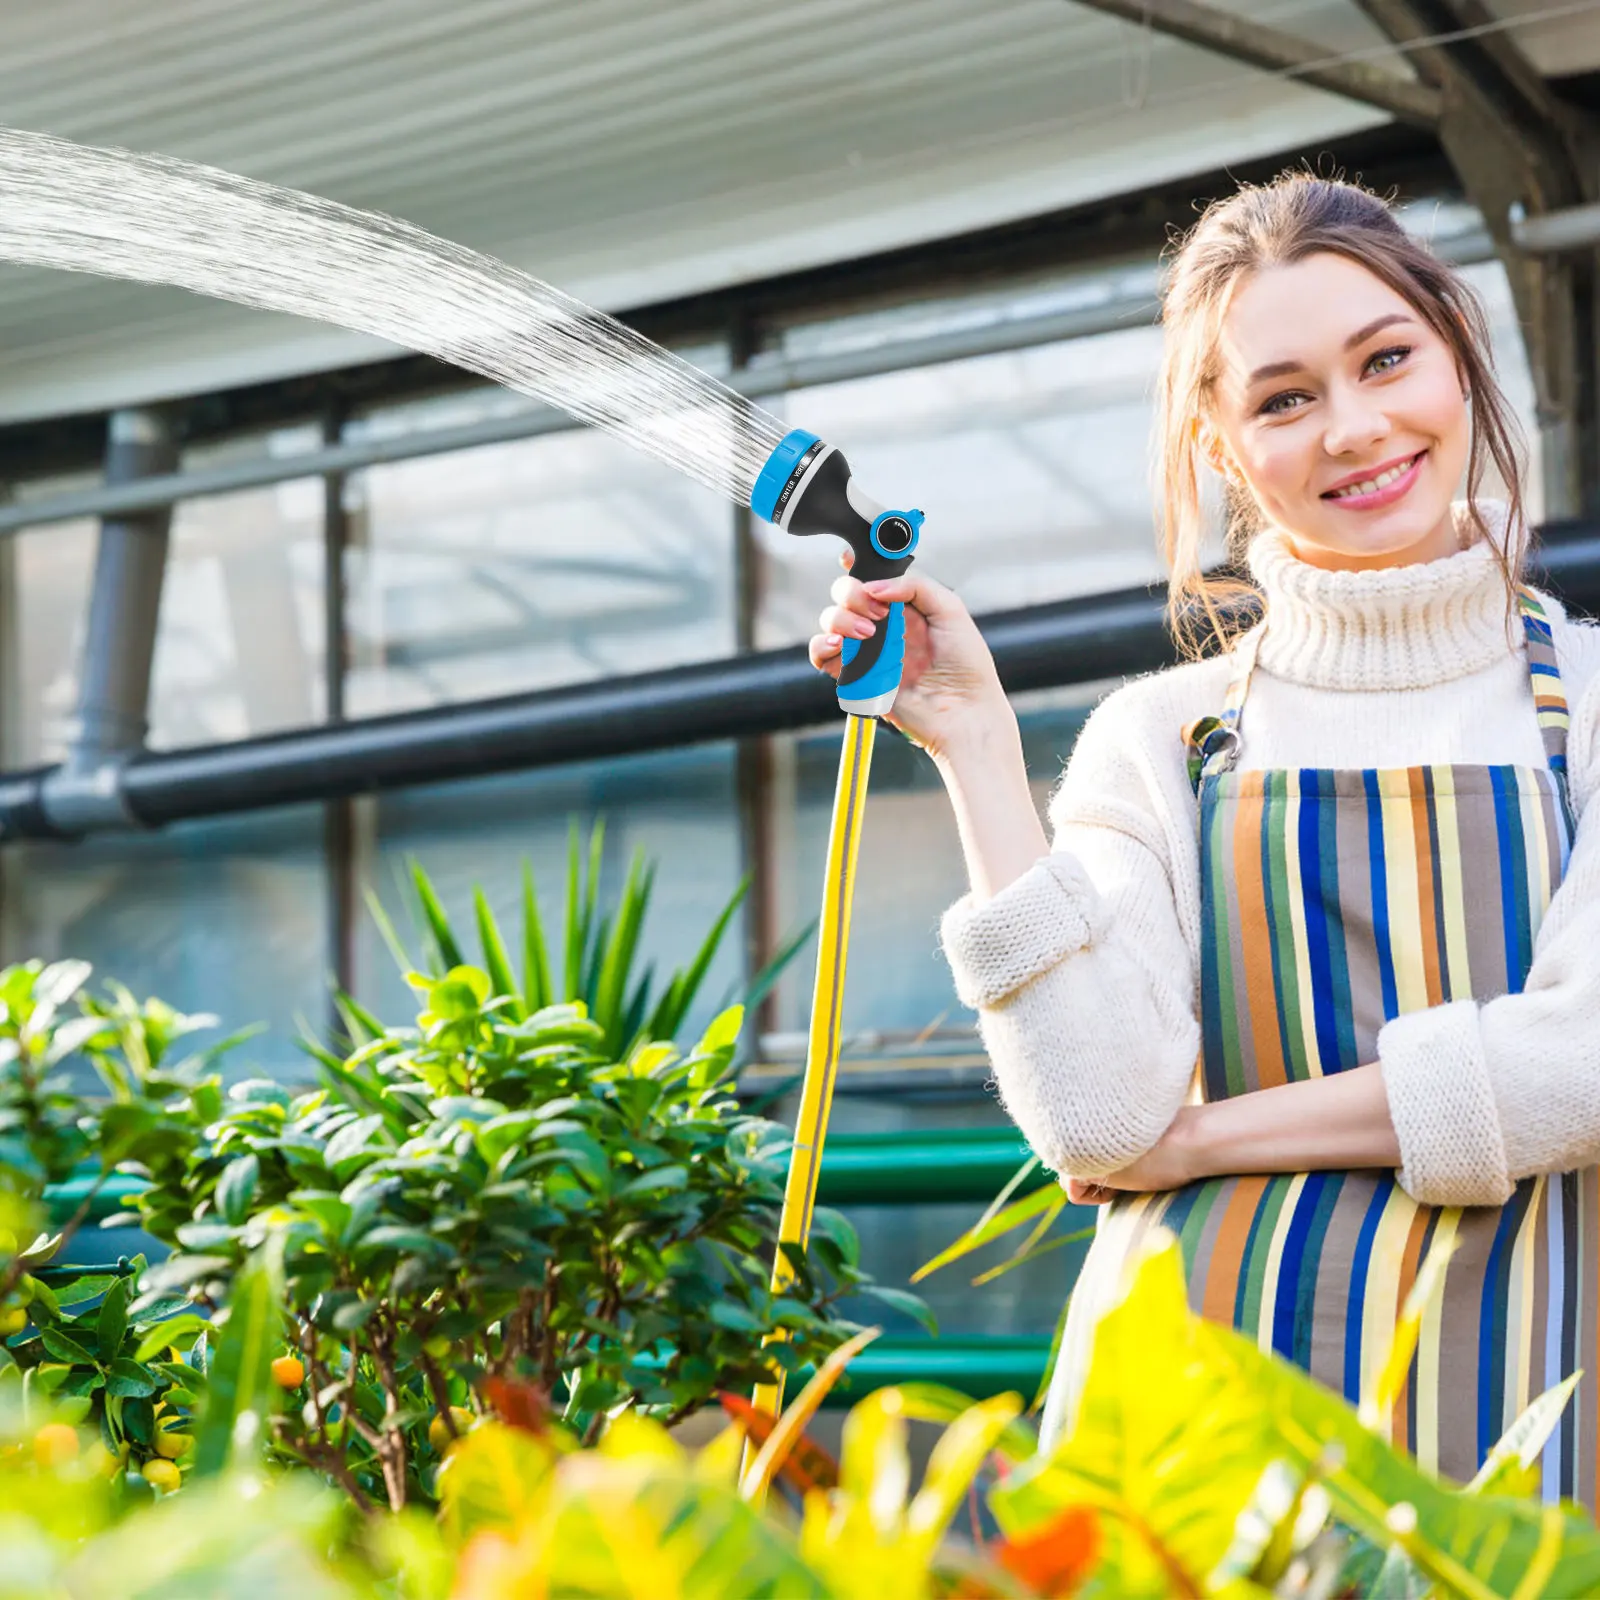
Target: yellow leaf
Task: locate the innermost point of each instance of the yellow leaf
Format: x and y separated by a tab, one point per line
1379	1398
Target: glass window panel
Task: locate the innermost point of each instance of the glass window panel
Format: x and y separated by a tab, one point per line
47	606
529	564
1031	466
910	867
678	808
223	916
239	650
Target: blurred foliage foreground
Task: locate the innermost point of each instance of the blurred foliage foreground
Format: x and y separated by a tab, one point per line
424	1332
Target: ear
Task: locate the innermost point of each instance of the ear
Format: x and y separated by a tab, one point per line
1209	442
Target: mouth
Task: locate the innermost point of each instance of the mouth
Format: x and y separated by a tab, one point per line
1380	488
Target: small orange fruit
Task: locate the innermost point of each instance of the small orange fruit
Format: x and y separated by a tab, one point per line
439	1434
161	1475
55	1444
12	1320
288	1372
172	1444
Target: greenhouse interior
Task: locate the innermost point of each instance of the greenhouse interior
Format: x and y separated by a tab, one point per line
320	654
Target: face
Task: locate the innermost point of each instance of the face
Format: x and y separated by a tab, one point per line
1342	412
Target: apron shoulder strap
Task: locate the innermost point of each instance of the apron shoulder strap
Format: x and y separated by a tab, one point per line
1544	672
1213	741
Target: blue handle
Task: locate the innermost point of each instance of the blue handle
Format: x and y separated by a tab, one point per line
870	678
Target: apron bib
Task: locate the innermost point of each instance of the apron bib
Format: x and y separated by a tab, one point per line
1333	901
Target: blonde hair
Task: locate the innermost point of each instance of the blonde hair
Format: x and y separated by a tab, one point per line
1277	224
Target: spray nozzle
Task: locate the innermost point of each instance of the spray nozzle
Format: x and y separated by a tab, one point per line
806	488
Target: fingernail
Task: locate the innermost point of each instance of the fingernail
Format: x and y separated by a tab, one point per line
877	585
831	639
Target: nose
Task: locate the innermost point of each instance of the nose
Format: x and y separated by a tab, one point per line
1355	421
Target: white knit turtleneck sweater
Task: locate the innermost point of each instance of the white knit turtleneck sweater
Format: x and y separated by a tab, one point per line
1084	970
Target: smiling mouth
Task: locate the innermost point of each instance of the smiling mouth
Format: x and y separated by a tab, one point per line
1377	483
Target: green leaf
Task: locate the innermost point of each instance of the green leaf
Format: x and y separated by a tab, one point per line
352	1139
236	1188
438	923
1178	1417
658	1181
79	1291
239	1377
1514	1461
174	1331
495	959
685	986
112	1322
611	980
911	1305
65	1348
766	979
127	1378
397	1238
1049	1200
536	993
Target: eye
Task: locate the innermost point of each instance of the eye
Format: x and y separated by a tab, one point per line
1386	361
1279	405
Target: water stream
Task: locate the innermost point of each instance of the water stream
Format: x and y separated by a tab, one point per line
156	219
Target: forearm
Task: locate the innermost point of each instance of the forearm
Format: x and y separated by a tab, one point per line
987	780
1338	1121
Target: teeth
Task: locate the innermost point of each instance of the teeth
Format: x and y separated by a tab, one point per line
1372	485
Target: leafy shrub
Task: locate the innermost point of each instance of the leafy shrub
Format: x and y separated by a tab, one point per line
485	1193
66	1333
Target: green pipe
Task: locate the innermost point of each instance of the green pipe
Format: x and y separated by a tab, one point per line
959	1165
978	1367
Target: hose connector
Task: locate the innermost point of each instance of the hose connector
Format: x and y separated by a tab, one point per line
806	488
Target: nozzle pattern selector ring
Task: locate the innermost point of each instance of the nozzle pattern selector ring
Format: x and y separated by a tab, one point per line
894	534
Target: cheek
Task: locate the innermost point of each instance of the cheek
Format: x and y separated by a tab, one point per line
1277	461
1436	406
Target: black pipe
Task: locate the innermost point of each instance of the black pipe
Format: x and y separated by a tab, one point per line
1037	647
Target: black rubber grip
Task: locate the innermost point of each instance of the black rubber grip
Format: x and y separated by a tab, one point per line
824	507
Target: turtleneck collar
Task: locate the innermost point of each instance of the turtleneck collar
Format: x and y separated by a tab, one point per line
1386	628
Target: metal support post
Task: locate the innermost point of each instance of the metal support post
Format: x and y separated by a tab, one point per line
338	838
1522	153
85	791
753	775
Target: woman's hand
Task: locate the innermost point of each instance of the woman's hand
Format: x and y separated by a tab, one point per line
1169	1164
948	685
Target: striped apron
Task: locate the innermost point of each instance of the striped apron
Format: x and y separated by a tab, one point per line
1333	900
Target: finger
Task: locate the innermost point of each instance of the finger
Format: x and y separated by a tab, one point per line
848	624
847	558
824	652
850	594
1082	1192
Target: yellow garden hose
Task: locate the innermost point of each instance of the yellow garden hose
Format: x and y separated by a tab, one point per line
827	1005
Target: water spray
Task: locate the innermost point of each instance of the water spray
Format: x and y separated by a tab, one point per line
156	219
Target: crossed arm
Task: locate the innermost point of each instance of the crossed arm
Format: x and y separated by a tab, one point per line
1341	1121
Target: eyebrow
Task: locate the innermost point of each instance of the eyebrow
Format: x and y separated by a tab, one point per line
1281	369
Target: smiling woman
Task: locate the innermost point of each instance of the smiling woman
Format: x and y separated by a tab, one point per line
1310	970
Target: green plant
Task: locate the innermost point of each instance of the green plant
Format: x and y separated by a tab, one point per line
598	954
66	1333
490	1192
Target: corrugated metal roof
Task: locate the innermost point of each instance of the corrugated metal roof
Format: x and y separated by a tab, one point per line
626	150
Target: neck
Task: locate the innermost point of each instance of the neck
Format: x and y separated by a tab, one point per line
1442	540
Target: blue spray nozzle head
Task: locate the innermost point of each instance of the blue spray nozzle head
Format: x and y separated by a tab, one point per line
805	487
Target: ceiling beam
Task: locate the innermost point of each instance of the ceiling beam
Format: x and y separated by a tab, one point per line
1522	154
1256	45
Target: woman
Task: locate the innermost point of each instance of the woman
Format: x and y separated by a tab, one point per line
1341	872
